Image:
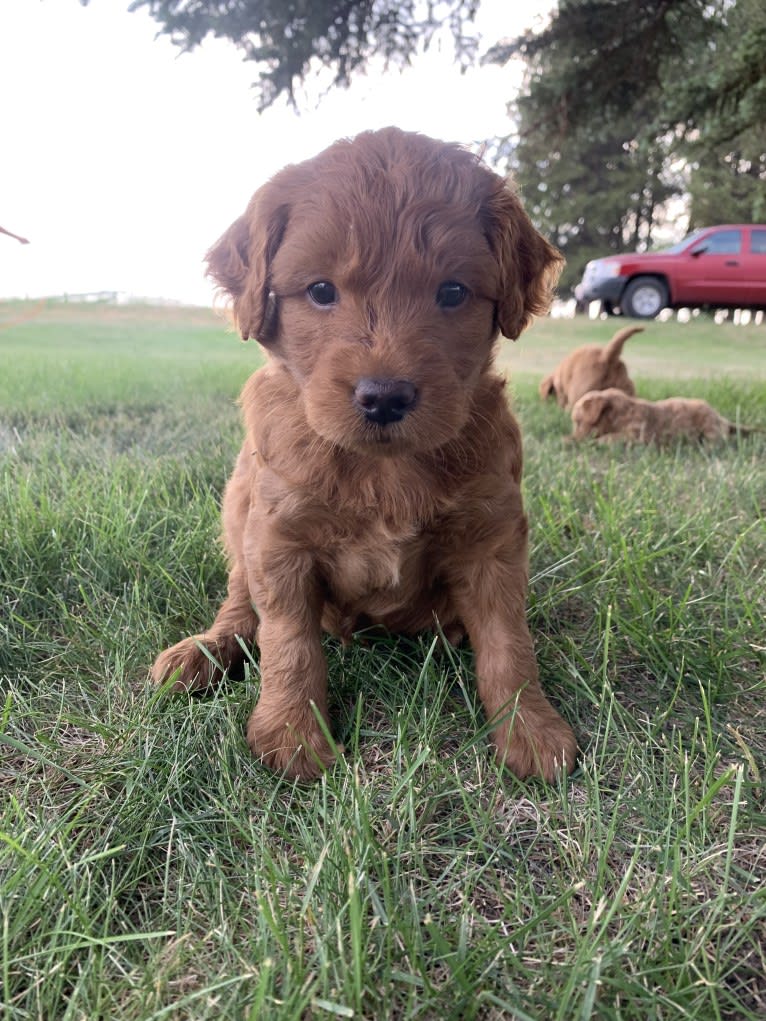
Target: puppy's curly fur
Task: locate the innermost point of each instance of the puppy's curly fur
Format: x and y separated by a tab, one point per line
612	415
379	480
590	367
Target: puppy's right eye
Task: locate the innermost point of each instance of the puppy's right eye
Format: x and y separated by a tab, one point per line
322	293
451	294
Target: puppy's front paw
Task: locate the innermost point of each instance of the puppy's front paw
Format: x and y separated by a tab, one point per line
540	743
193	667
298	749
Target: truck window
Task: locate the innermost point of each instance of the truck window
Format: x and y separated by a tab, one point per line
723	242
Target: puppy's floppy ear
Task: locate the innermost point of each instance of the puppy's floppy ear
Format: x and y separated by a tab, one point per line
529	265
546	388
594	407
240	263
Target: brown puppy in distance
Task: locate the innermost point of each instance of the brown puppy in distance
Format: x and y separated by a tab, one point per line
612	415
590	367
379	480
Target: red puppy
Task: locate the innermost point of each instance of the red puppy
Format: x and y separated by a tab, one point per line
379	477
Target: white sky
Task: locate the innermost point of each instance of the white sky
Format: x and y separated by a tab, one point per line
122	160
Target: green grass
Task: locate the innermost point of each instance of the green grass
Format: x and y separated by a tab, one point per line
150	869
669	351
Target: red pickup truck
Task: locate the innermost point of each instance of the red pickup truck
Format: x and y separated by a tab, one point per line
720	267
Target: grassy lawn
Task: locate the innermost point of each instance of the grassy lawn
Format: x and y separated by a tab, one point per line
150	869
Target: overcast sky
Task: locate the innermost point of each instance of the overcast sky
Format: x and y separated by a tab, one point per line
123	160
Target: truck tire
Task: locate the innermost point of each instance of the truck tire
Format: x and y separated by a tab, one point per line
644	298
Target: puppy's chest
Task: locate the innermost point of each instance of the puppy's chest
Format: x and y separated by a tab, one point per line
374	542
374	559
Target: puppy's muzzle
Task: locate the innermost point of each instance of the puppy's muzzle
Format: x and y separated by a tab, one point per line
383	401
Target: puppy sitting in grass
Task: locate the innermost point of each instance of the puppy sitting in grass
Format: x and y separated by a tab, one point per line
379	480
612	415
590	367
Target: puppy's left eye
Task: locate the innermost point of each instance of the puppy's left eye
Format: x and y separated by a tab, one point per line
322	293
451	294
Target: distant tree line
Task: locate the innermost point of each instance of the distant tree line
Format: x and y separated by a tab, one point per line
627	104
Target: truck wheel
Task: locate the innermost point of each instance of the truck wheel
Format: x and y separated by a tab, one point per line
644	298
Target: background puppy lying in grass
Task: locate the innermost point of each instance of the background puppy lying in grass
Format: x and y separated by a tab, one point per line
379	480
613	415
590	367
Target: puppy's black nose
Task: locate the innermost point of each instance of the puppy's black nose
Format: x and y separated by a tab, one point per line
385	400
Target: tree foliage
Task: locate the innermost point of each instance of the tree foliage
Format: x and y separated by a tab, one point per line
726	143
724	95
727	183
289	40
629	103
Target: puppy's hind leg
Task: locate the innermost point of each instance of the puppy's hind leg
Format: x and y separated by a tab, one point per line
199	661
